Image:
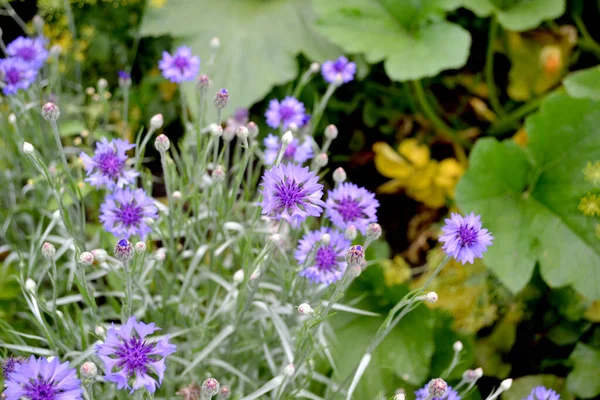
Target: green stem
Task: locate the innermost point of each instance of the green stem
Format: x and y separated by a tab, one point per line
587	41
510	121
489	69
128	306
125	110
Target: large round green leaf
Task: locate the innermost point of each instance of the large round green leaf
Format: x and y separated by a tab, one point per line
583	380
403	33
259	40
517	15
584	84
529	198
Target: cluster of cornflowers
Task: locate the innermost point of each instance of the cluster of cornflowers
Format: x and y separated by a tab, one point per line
25	58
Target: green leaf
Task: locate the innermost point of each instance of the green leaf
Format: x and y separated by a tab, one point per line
519	15
528	198
521	387
584	84
259	41
583	380
400	32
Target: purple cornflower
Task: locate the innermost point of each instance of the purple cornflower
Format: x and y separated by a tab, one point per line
108	165
181	67
32	51
9	364
40	379
289	111
542	393
239	118
342	67
124	212
294	152
349	204
464	239
127	355
292	193
423	394
326	263
16	74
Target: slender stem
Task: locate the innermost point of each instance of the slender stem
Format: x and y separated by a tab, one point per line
54	276
509	121
183	107
587	41
139	154
125	109
61	151
316	118
128	306
489	69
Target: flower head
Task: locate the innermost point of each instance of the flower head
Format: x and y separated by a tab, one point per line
221	99
289	111
16	74
32	51
450	394
464	239
590	205
324	262
294	152
127	355
10	364
107	168
591	173
292	193
40	379
124	79
542	393
124	211
181	67
340	67
349	204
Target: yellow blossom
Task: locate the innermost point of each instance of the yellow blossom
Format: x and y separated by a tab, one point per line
590	205
591	173
521	137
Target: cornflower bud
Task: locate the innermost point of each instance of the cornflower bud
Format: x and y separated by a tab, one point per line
325	239
221	99
48	250
228	134
30	285
355	255
478	372
123	250
210	387
124	79
203	82
28	148
242	132
289	370
331	132
350	232
314	67
215	43
276	238
321	160
225	392
217	131
100	331
437	388
102	84
238	276
457	346
50	111
252	129
88	370
218	174
100	254
86	259
140	247
12	118
162	143
505	384
373	231
287	138
354	271
156	122
400	396
305	308
90	90
431	297
339	175
161	254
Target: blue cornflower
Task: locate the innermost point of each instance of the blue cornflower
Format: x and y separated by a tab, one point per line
294	152
349	204
32	51
127	355
40	379
289	111
107	168
340	67
124	213
423	394
16	74
292	193
542	393
464	239
327	265
181	67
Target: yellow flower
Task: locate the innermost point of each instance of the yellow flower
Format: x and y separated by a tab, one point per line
521	137
592	172
417	154
590	205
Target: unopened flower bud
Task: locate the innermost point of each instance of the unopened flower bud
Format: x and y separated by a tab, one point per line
140	247
210	387
238	276
203	82
325	239
350	232
400	396
354	271
287	138
215	42
228	134
221	99
176	195
289	370
314	67
276	238
162	143
12	118
161	254
218	174
28	148
156	122
86	259
124	250
38	23
331	132
355	255
373	231
100	255
102	84
339	175
506	384
100	331
124	79
30	285
305	308
50	111
225	392
437	388
478	372
217	131
48	250
457	346
88	370
252	129
431	297
321	160
242	132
